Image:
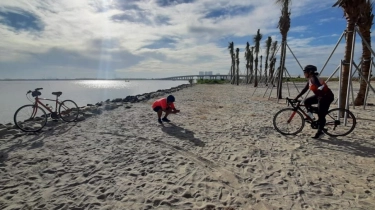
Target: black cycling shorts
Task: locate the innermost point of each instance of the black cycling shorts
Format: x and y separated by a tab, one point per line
156	109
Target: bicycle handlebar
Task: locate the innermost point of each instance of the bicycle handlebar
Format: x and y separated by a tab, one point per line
36	89
293	101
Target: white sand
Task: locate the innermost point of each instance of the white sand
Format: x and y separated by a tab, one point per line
220	151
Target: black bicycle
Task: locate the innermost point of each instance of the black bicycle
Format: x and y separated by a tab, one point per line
290	121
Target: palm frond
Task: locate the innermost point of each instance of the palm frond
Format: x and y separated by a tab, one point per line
257	39
366	17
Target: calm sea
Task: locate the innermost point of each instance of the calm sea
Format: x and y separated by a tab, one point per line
83	92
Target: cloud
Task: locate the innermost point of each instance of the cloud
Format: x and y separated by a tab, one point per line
228	11
167	3
150	38
164	42
19	19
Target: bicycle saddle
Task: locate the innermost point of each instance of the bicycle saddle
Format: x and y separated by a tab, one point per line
57	93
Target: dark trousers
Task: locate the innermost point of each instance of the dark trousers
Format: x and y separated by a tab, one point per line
323	107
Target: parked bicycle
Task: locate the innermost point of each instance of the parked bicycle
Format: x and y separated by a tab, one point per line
290	121
32	117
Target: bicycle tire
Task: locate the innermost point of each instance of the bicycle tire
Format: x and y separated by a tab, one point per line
333	124
65	111
32	126
281	118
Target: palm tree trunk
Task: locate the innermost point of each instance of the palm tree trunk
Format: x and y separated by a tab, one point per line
272	71
256	71
346	68
233	73
238	63
282	65
366	62
252	65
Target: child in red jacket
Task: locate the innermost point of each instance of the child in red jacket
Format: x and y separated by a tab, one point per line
164	105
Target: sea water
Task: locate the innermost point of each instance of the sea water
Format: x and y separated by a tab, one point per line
83	92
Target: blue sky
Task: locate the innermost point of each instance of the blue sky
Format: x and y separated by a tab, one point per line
157	38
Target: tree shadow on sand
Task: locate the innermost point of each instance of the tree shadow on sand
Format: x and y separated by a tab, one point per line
182	133
358	147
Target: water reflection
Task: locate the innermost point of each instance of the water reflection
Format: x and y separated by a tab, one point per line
105	84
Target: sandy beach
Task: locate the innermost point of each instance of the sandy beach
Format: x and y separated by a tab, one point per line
220	152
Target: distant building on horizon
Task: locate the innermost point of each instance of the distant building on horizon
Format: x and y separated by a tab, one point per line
208	73
201	73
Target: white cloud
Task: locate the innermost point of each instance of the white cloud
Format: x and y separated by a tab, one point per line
85	32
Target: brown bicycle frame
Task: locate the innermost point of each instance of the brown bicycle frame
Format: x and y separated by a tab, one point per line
38	101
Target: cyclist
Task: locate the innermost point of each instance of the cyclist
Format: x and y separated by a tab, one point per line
323	96
164	105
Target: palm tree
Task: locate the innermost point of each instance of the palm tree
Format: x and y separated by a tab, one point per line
351	13
273	59
260	68
268	48
257	39
284	25
247	57
238	66
251	64
231	51
364	23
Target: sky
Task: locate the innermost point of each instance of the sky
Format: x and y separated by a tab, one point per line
159	38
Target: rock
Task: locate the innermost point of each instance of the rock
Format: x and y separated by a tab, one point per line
109	107
97	111
117	100
81	118
88	114
3	131
10	126
131	99
13	131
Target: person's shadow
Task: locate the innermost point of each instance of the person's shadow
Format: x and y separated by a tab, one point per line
357	147
182	133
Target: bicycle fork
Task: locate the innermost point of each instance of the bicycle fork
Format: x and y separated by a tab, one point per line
293	114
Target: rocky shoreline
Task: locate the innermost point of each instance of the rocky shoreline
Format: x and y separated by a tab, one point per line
10	130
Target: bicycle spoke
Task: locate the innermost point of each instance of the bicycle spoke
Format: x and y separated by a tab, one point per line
339	122
68	111
30	119
288	122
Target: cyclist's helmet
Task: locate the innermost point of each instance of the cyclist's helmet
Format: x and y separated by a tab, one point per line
310	69
170	98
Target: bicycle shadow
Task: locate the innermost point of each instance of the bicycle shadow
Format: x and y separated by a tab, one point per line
34	142
58	128
182	133
355	147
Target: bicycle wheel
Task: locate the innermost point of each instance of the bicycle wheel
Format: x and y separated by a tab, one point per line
30	118
68	111
288	121
339	122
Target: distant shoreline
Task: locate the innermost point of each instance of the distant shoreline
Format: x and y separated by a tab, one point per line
76	79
